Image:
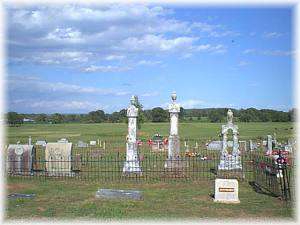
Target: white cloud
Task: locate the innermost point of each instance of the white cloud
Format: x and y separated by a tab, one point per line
22	84
106	69
114	57
154	43
277	53
150	94
272	35
148	63
268	52
192	103
243	63
57	105
57	57
65	35
214	30
111	32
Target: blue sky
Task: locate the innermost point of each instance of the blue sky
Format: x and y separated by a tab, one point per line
79	58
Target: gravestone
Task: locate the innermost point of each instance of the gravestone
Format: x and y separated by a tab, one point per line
58	159
82	144
93	143
132	163
252	145
215	145
226	191
230	161
20	158
269	148
119	194
41	143
96	153
77	162
173	161
63	140
243	146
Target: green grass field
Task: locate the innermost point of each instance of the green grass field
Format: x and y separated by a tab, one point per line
66	199
117	131
76	200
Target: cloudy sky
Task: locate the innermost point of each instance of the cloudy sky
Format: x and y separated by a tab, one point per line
78	58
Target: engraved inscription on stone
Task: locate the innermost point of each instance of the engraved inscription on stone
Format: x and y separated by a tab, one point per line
58	158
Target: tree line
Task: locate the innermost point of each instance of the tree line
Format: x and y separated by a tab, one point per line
157	114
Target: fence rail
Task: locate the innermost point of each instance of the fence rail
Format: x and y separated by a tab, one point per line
96	166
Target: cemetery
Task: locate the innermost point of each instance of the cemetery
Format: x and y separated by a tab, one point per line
229	169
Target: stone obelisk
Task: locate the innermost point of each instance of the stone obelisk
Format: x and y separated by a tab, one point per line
174	143
132	163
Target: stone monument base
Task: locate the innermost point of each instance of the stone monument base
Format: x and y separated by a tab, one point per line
132	167
60	174
176	164
231	174
175	168
174	146
230	162
226	191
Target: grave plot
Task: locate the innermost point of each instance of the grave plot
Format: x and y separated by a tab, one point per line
20	159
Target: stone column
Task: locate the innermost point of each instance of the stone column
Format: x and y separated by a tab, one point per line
269	145
174	144
132	164
235	150
251	145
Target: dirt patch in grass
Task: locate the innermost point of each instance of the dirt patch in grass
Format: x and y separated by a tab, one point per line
16	187
205	198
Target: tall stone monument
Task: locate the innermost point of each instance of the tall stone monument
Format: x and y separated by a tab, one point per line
132	163
174	144
230	161
174	161
269	149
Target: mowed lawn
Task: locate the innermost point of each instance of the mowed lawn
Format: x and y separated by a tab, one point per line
75	199
117	131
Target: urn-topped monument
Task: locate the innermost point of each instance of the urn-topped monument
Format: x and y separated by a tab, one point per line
173	161
174	144
230	161
132	164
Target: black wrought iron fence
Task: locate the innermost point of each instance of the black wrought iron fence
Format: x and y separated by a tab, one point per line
273	176
94	164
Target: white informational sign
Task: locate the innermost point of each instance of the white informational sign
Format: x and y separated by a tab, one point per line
226	191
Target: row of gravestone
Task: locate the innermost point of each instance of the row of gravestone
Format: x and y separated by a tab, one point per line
57	157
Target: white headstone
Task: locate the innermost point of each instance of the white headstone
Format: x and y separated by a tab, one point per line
93	143
230	161
132	163
58	158
174	144
226	191
269	145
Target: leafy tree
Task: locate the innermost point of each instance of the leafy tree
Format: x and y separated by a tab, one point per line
57	118
215	116
141	115
14	119
159	115
96	116
41	118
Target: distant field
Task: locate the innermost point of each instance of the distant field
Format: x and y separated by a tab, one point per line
116	132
